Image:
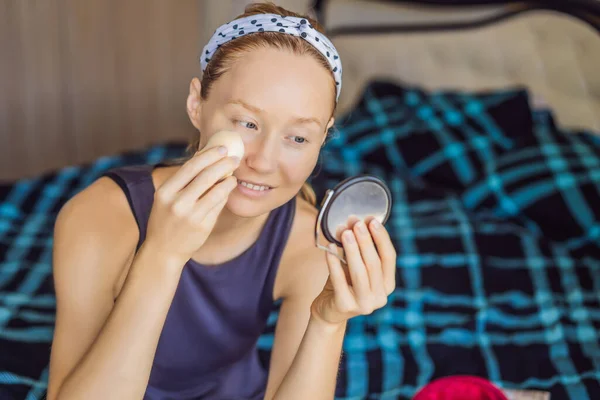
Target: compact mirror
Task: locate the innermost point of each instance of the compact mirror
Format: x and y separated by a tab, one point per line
362	197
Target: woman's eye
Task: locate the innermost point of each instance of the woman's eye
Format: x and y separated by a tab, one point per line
249	125
299	139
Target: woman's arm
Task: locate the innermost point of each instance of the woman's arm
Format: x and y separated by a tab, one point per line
305	355
313	373
119	362
114	359
309	334
306	350
103	349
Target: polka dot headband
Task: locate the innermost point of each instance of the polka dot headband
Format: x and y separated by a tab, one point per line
276	23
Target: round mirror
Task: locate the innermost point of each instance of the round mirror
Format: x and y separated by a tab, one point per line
357	198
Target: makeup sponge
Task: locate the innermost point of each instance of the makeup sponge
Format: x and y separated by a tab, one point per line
232	140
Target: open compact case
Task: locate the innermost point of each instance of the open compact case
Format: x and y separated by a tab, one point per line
356	198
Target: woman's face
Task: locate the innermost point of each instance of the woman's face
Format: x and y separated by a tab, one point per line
281	105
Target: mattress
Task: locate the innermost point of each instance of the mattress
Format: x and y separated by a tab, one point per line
555	56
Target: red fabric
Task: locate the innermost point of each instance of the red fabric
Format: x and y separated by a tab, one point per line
460	388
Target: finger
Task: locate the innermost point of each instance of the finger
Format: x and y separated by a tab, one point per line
191	168
205	180
209	219
370	257
369	219
358	271
387	254
217	194
339	230
340	252
351	221
339	281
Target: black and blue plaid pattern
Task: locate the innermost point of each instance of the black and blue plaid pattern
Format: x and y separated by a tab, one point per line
552	179
446	138
479	291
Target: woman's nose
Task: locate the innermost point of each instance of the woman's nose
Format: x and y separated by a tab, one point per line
261	154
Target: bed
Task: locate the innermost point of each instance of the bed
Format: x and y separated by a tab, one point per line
489	138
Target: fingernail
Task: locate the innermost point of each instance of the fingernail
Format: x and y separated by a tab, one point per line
375	224
236	159
349	236
222	150
361	227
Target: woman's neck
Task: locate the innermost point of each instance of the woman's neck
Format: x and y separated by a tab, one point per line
231	236
229	223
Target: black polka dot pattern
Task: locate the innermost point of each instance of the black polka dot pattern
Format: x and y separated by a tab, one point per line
275	23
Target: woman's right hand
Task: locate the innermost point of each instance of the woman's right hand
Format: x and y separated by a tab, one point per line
187	204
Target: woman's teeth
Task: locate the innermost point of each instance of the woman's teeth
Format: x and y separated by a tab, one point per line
254	187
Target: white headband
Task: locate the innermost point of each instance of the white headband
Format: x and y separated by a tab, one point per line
276	23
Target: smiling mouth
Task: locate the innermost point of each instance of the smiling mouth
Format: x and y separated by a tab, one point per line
257	188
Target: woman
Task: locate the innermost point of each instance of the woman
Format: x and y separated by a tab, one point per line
165	276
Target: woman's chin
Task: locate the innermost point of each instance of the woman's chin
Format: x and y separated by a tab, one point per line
245	207
242	205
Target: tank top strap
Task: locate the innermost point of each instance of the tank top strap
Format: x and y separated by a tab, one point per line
136	182
272	244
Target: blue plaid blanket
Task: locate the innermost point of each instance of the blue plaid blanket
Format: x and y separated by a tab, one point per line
495	220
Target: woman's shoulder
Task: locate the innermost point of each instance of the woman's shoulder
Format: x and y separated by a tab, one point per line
302	230
302	262
96	229
101	206
306	209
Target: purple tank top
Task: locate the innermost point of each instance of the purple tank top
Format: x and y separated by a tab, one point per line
207	348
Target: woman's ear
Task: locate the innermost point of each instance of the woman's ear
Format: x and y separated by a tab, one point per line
194	103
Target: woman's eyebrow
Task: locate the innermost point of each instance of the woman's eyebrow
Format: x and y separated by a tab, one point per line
306	120
257	110
242	103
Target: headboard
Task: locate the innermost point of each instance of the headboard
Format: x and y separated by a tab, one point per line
551	48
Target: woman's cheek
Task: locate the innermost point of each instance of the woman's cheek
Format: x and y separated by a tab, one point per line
300	163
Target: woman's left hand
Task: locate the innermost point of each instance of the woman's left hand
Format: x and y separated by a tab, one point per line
365	282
